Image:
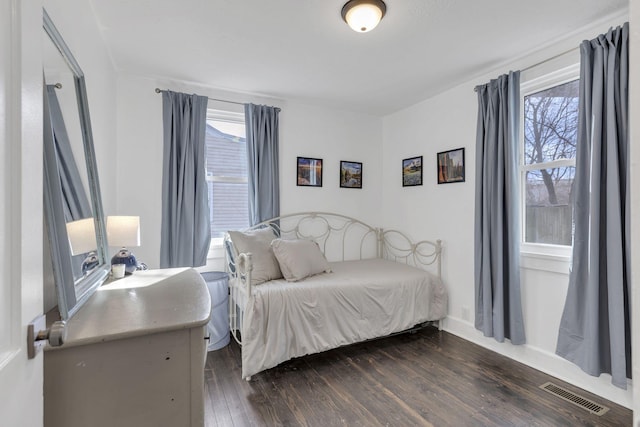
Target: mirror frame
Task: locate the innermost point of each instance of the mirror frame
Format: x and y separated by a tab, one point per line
71	294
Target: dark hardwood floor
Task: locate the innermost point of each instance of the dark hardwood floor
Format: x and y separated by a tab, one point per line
429	378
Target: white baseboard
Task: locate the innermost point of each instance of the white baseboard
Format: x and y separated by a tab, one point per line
544	361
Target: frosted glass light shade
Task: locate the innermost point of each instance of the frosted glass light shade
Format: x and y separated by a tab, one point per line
82	236
363	15
123	231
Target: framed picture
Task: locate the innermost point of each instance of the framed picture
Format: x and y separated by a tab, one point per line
451	166
412	171
350	174
309	172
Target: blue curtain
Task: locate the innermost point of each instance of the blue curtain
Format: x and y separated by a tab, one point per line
262	156
498	308
595	330
186	230
75	203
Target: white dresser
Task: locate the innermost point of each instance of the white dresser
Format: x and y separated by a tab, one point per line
134	355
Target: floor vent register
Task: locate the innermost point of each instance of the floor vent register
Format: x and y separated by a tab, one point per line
576	399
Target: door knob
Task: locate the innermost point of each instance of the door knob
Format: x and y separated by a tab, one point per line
56	334
38	335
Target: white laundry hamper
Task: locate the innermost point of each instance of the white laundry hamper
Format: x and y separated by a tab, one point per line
218	327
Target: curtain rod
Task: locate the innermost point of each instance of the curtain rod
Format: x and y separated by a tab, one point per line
550	59
158	90
475	89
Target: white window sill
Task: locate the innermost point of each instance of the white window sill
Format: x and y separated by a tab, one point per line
551	258
216	248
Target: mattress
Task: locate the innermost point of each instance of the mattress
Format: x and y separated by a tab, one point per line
358	300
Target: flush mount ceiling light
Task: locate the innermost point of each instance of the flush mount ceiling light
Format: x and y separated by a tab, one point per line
363	15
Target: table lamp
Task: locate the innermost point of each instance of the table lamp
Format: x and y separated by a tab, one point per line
82	240
124	231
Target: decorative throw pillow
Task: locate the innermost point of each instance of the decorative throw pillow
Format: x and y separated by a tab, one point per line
299	258
258	243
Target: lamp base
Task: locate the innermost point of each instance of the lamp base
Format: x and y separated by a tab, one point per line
89	263
124	256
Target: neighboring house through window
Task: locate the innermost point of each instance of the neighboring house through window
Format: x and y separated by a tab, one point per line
226	153
549	133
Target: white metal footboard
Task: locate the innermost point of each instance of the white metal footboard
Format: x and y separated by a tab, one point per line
397	246
239	270
340	238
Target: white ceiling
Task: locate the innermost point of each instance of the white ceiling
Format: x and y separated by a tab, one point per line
301	49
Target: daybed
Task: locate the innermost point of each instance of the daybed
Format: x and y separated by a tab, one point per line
344	282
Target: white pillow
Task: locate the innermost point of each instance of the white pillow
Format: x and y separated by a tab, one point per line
299	258
258	242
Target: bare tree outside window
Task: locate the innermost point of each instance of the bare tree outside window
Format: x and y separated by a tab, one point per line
550	133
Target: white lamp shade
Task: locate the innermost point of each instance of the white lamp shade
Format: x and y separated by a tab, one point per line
363	17
123	231
82	236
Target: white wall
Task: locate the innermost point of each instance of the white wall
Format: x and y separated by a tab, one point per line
433	211
304	131
333	136
448	121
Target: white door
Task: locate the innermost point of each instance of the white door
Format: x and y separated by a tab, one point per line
21	401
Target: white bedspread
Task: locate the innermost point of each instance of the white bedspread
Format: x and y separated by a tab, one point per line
359	300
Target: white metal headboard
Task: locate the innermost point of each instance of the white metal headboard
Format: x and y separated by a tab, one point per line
343	238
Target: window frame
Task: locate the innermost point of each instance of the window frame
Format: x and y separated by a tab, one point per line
528	87
231	117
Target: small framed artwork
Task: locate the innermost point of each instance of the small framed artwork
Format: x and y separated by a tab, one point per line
350	174
412	171
451	166
309	172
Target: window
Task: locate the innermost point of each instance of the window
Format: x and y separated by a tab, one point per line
550	124
226	153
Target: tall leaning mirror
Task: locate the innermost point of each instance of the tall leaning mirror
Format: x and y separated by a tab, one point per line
74	218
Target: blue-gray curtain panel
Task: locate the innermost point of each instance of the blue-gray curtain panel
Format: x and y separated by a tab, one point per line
262	156
498	307
75	202
186	230
595	330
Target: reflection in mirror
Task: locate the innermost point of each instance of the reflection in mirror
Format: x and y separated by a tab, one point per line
73	206
74	194
82	239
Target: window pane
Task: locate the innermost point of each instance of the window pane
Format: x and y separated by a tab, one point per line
230	128
226	153
551	123
548	209
229	207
